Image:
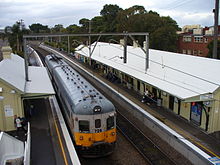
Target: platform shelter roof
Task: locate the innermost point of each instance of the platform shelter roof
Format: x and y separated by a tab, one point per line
180	75
12	72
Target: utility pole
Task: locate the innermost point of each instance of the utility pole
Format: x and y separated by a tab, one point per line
90	60
25	59
215	39
125	48
68	44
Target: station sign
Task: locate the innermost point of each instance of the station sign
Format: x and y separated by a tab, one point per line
214	160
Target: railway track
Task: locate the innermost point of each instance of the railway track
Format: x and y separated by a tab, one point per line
142	143
150	152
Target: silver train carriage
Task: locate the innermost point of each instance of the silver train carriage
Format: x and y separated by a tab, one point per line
91	117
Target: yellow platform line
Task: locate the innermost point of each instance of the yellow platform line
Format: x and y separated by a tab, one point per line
60	142
193	140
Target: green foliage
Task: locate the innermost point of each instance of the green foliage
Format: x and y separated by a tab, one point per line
39	28
162	30
15	37
58	28
73	29
164	38
210	47
109	14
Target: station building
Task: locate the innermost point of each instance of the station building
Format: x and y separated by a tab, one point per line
186	85
14	88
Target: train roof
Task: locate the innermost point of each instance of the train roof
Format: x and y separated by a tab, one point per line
78	88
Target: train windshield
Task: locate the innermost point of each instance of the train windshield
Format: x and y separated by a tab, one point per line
83	126
110	122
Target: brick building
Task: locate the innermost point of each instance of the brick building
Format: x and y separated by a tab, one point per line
193	40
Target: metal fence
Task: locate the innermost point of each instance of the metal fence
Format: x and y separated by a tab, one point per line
27	151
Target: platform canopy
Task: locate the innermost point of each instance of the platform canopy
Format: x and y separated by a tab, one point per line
12	73
180	75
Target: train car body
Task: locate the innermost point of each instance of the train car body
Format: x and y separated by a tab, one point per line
90	116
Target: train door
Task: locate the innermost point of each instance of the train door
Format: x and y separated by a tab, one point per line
98	128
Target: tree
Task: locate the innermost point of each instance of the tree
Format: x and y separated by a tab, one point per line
210	47
109	13
39	28
58	28
15	36
97	24
164	38
84	22
73	29
162	30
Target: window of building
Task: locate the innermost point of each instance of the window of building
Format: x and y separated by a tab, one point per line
187	38
206	40
184	51
199	52
189	51
198	39
83	126
195	52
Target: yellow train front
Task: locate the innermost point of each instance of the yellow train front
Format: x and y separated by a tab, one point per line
95	134
91	117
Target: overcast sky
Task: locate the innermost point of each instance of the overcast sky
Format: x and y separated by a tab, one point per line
66	12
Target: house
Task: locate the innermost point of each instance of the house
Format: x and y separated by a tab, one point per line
14	88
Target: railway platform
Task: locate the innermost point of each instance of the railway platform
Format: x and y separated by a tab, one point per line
51	142
208	143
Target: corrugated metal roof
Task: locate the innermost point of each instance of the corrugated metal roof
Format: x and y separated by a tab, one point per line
40	82
181	75
12	71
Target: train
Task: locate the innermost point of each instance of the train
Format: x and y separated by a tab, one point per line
90	116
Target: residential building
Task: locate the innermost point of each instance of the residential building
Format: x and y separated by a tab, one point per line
193	40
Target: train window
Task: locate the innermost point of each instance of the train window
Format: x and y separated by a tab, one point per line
83	126
110	122
97	123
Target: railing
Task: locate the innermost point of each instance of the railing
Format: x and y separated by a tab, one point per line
27	151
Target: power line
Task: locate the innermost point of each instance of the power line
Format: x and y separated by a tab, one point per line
172	3
179	5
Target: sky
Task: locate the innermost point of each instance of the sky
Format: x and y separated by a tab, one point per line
67	12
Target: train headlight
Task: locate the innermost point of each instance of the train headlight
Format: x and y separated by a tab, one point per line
81	138
113	134
97	109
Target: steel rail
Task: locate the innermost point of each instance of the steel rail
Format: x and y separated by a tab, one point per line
156	157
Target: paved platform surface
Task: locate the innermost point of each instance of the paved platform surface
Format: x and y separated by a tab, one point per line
208	143
45	147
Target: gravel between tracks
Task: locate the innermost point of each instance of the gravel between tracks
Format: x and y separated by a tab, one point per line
172	153
124	154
